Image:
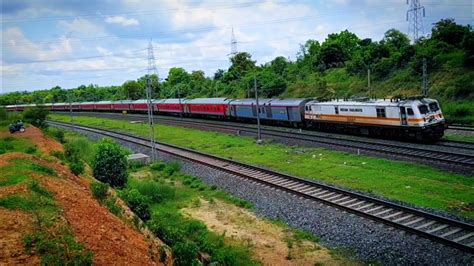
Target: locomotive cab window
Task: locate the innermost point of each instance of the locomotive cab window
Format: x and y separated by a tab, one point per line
434	107
410	111
336	110
381	112
423	109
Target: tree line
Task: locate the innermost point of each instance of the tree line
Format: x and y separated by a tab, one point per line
336	67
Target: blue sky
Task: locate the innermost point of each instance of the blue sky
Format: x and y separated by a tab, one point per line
73	42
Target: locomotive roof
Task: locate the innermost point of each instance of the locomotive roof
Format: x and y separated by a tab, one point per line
377	102
208	101
104	102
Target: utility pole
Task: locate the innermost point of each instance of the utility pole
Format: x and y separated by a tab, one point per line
149	94
425	79
368	82
70	106
415	15
259	137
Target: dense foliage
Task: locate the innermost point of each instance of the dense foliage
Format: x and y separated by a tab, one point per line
36	116
337	67
110	163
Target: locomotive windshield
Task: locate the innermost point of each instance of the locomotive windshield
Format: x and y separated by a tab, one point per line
434	107
423	109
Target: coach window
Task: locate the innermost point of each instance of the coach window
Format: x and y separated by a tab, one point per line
336	110
381	112
410	111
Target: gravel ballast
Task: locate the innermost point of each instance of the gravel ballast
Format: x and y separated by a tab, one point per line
367	240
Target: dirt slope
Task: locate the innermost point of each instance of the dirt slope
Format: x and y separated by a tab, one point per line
109	238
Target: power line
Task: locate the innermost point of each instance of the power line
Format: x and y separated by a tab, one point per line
243	25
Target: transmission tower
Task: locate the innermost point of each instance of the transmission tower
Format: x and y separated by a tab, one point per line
149	95
233	44
415	15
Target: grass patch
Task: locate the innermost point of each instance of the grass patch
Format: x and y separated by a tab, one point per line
164	192
409	182
11	144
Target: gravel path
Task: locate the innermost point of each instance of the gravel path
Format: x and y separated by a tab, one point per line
369	241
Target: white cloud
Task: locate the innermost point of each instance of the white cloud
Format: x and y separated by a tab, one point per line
122	21
81	27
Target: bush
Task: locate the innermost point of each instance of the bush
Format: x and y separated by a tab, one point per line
31	150
137	202
110	163
36	116
76	167
58	154
158	166
172	168
155	191
185	253
99	190
57	134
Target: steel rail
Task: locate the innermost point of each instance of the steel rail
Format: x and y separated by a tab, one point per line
434	227
401	150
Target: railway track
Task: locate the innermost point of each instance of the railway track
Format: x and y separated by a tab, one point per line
452	153
461	127
437	228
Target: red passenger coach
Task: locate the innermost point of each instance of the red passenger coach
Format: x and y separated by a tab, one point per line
121	105
59	106
208	106
175	106
103	106
139	105
87	106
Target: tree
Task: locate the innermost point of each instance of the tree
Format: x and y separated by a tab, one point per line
133	90
242	64
219	74
446	30
338	48
110	163
36	116
395	39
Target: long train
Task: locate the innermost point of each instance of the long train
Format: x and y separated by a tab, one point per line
418	119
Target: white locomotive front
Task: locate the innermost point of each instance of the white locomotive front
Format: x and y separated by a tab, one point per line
415	118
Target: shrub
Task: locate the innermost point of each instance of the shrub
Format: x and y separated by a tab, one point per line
110	163
57	134
72	151
158	166
185	253
76	167
172	168
31	149
58	154
36	116
155	191
137	202
99	190
113	207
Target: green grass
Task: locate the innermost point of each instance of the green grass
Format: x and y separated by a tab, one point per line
167	191
10	144
409	182
459	138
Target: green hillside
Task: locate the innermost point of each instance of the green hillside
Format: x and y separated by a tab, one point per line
335	68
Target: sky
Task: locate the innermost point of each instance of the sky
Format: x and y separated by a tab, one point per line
69	43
